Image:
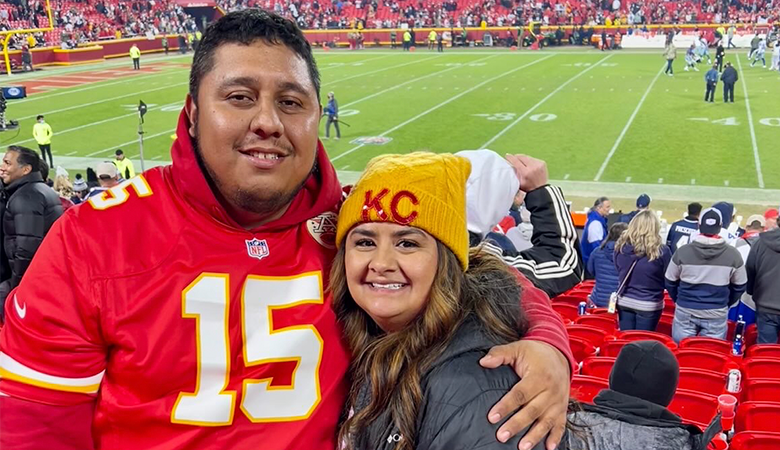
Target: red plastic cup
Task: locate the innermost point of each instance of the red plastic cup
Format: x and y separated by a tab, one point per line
718	444
726	405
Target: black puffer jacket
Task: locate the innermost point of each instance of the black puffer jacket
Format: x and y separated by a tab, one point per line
457	395
30	210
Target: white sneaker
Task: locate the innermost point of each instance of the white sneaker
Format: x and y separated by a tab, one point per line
686	68
696	69
326	138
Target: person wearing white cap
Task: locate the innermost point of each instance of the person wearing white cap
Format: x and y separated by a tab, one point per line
108	177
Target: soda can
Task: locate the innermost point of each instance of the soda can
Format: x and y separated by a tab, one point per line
736	348
583	307
734	381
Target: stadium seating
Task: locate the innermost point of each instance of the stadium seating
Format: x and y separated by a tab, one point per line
568	300
694	407
748	440
761	390
597	366
567	312
757	416
584	388
581	349
595	336
703	359
709	344
637	335
607	322
763	351
700	380
612	348
768	368
665	324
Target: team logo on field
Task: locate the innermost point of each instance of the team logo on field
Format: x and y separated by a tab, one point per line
371	140
257	248
323	229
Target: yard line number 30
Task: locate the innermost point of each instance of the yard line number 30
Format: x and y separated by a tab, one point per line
207	301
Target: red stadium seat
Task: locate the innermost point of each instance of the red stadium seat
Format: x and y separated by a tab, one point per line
761	368
584	388
612	348
763	351
703	359
591	334
607	322
761	390
637	335
581	349
704	381
582	295
597	366
598	311
694	407
706	343
566	311
748	440
757	416
567	300
751	336
665	324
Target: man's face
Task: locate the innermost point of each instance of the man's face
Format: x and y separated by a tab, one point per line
255	125
605	207
10	170
120	157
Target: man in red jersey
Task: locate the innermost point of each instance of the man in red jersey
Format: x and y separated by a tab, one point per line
214	330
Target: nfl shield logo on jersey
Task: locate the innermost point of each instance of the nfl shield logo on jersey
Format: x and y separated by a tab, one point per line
257	248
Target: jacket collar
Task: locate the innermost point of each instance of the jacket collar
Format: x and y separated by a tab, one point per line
320	193
32	177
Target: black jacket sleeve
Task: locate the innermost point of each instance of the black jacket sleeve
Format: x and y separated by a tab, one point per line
27	213
553	264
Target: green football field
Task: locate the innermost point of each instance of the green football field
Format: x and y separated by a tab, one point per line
612	118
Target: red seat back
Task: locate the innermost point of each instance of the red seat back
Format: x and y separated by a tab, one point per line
757	416
580	294
581	349
588	333
761	390
751	336
606	322
704	381
703	359
764	351
761	368
694	407
637	335
584	388
568	300
612	348
566	311
748	440
597	366
707	343
665	324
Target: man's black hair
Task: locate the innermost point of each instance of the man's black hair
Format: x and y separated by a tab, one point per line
694	209
44	167
245	27
27	157
40	116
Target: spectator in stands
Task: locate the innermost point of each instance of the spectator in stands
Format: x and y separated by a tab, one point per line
64	200
601	265
43	134
681	231
763	274
632	413
746	307
108	177
642	203
670	53
80	190
595	228
135	55
123	165
705	278
30	210
729	78
433	333
771	215
552	263
729	214
641	259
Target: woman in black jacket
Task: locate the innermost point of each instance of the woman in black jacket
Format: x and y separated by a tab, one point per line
419	310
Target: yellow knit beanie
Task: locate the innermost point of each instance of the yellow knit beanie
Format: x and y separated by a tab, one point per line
422	190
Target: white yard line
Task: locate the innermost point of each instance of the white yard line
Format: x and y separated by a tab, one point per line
346	64
114	147
451	99
100	122
377	71
70	153
541	102
756	158
410	81
82	105
625	128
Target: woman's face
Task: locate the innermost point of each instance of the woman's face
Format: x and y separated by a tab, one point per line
390	271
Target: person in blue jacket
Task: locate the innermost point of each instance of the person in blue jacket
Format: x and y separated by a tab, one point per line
602	265
332	111
711	77
595	228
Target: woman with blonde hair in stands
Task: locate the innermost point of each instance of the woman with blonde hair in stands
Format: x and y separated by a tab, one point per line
419	310
641	258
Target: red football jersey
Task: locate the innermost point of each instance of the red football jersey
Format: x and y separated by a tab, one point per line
188	331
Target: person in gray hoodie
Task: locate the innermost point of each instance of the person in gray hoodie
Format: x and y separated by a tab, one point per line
705	278
763	272
553	264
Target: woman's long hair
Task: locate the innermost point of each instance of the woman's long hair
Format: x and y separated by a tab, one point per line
615	231
394	363
644	234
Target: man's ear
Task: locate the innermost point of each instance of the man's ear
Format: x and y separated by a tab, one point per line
322	111
192	113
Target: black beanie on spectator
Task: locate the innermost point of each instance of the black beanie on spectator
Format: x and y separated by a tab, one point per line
647	370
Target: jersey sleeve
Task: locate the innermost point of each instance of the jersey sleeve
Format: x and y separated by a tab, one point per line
51	349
